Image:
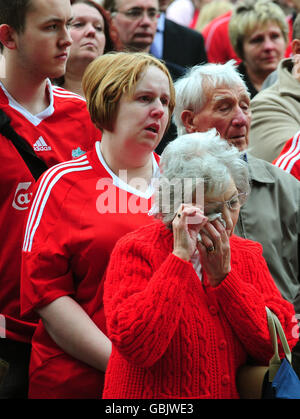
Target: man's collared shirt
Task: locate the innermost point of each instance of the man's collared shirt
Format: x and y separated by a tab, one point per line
157	46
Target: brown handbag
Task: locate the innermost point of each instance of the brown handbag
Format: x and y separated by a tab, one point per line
249	381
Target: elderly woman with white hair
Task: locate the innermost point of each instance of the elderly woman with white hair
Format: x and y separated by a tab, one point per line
184	297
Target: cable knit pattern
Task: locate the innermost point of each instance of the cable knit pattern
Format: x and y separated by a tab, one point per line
177	337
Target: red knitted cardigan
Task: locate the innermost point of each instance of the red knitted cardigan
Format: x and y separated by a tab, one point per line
175	336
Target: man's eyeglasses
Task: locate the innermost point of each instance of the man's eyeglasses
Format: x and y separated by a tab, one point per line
138	13
233	204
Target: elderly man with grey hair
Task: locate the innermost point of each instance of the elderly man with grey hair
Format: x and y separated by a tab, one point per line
215	96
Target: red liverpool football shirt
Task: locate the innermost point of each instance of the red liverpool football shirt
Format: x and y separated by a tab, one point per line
62	131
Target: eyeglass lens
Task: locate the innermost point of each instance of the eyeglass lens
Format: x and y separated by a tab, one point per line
216	207
137	13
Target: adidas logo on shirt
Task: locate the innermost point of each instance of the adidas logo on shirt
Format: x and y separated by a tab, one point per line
41	145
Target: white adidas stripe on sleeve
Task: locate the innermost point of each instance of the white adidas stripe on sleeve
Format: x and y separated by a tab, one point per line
48	181
288	159
60	92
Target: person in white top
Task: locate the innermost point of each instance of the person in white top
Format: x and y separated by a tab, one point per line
181	11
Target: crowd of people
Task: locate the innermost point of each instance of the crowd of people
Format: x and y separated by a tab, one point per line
150	195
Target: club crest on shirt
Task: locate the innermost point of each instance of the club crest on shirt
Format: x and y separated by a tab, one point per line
77	153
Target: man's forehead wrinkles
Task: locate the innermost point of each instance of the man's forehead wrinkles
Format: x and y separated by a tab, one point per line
223	97
220	97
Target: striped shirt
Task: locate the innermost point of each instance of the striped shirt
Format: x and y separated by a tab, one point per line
289	158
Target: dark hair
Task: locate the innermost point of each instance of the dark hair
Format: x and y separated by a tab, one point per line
110	5
111	34
13	13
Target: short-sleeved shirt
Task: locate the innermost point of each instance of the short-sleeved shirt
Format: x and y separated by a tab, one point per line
79	211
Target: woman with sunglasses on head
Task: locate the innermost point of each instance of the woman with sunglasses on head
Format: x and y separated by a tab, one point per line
184	297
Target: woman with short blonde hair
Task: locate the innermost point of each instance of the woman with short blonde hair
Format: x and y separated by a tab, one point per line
259	34
89	203
118	73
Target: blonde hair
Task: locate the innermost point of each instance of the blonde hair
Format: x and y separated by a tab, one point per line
110	76
212	10
250	14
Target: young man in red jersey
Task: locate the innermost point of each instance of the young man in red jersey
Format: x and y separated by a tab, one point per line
35	43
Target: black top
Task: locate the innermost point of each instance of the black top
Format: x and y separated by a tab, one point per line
242	70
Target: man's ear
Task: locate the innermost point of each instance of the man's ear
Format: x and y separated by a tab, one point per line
187	118
295	44
7	36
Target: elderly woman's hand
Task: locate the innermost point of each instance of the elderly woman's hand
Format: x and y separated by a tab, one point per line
214	249
189	220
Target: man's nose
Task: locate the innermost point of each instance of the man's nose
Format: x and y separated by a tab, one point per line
240	118
66	39
146	20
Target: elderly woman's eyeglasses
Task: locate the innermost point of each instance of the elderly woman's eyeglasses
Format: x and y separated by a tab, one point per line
138	13
233	204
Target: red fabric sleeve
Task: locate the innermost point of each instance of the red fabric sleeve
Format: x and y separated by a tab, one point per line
46	273
217	41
